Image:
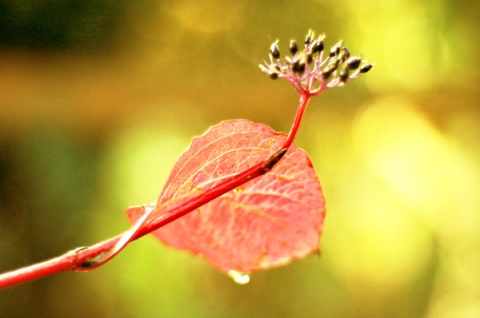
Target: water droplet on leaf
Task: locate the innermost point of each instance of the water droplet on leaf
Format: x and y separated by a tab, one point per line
239	277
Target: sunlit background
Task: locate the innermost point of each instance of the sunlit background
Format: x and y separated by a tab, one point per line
99	98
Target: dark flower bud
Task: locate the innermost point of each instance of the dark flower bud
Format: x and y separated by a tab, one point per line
273	76
346	54
308	38
317	46
326	74
293	47
329	70
353	63
334	62
335	49
274	50
298	67
366	68
309	57
344	74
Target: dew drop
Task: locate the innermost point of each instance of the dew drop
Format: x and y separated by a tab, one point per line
239	277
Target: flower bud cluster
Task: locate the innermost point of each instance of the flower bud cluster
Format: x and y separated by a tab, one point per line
313	69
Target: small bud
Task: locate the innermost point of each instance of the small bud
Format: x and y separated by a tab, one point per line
293	47
344	74
334	62
273	76
309	57
353	63
346	54
308	38
335	50
366	68
331	68
298	67
326	74
274	50
317	46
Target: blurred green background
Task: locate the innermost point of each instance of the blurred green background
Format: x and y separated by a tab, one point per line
99	98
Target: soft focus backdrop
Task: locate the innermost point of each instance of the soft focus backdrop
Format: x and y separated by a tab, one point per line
99	98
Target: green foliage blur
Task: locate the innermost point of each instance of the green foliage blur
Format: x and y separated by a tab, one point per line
99	98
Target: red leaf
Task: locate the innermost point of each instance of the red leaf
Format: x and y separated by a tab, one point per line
268	221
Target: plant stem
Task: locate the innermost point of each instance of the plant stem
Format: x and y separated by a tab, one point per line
88	258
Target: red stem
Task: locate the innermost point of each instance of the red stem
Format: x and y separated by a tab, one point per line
88	258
